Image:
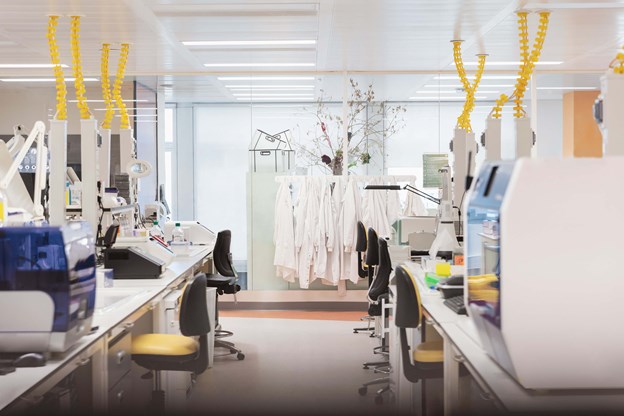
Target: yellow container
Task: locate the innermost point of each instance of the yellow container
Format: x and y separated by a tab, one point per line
443	269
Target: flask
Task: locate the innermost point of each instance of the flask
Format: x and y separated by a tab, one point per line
177	235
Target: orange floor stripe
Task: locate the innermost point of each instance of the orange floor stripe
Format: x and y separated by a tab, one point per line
317	315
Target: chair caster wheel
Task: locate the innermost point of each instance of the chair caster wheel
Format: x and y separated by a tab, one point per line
355	331
240	356
378	400
362	391
233	351
365	367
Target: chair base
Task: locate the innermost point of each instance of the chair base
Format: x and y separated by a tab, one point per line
231	347
369	364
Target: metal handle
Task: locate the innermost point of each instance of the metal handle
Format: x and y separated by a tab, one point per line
128	325
83	362
459	358
120	356
120	396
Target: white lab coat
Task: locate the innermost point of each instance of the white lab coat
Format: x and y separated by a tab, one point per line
414	206
336	253
374	211
350	215
306	215
325	234
393	206
284	235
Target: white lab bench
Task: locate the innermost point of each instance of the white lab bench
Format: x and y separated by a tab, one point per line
462	345
117	309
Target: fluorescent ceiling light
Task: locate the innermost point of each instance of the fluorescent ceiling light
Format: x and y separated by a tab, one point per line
262	64
270	86
456	77
454	92
568	88
265	78
272	95
275	99
127	108
102	101
249	42
31	66
461	86
137	115
510	63
270	89
477	97
568	6
43	79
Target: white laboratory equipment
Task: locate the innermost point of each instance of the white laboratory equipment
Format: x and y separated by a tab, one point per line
541	270
194	232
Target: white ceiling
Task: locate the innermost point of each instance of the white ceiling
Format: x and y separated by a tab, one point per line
399	44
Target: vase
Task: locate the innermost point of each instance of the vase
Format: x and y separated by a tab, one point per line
337	169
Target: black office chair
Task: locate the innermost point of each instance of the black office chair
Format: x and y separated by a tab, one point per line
360	248
170	352
426	361
225	282
378	292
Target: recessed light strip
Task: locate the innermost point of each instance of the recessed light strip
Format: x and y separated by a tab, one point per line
567	88
101	101
263	64
480	97
461	86
43	79
275	99
25	66
249	42
511	63
270	86
455	77
265	78
272	95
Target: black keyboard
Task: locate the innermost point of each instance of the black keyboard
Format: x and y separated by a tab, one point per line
456	304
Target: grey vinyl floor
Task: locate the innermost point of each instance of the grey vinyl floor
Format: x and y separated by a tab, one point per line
290	367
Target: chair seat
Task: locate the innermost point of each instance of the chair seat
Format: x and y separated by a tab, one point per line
164	345
429	352
216	280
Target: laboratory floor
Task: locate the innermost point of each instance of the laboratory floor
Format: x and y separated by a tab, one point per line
292	366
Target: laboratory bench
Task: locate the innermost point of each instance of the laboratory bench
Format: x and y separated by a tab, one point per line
496	390
104	356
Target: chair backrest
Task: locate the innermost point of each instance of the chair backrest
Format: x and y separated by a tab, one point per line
194	308
360	244
381	281
221	254
408	312
372	251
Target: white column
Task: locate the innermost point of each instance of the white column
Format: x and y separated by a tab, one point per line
493	138
524	137
460	139
57	143
612	127
89	162
127	148
104	158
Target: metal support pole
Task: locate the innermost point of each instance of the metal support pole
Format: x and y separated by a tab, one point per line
57	143
89	171
104	157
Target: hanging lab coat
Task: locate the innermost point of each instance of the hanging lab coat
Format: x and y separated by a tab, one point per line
374	211
336	253
325	235
305	231
414	206
351	214
393	206
284	235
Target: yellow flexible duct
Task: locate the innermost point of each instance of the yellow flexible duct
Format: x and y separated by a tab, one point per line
463	121
106	93
527	62
618	63
61	89
121	69
77	66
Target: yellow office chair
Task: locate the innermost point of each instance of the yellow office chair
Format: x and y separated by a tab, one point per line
170	352
427	359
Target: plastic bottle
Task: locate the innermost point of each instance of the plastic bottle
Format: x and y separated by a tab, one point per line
155	231
177	235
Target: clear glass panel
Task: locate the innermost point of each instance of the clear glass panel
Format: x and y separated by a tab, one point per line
169	179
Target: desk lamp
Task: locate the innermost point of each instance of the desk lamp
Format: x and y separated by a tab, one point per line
446	239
